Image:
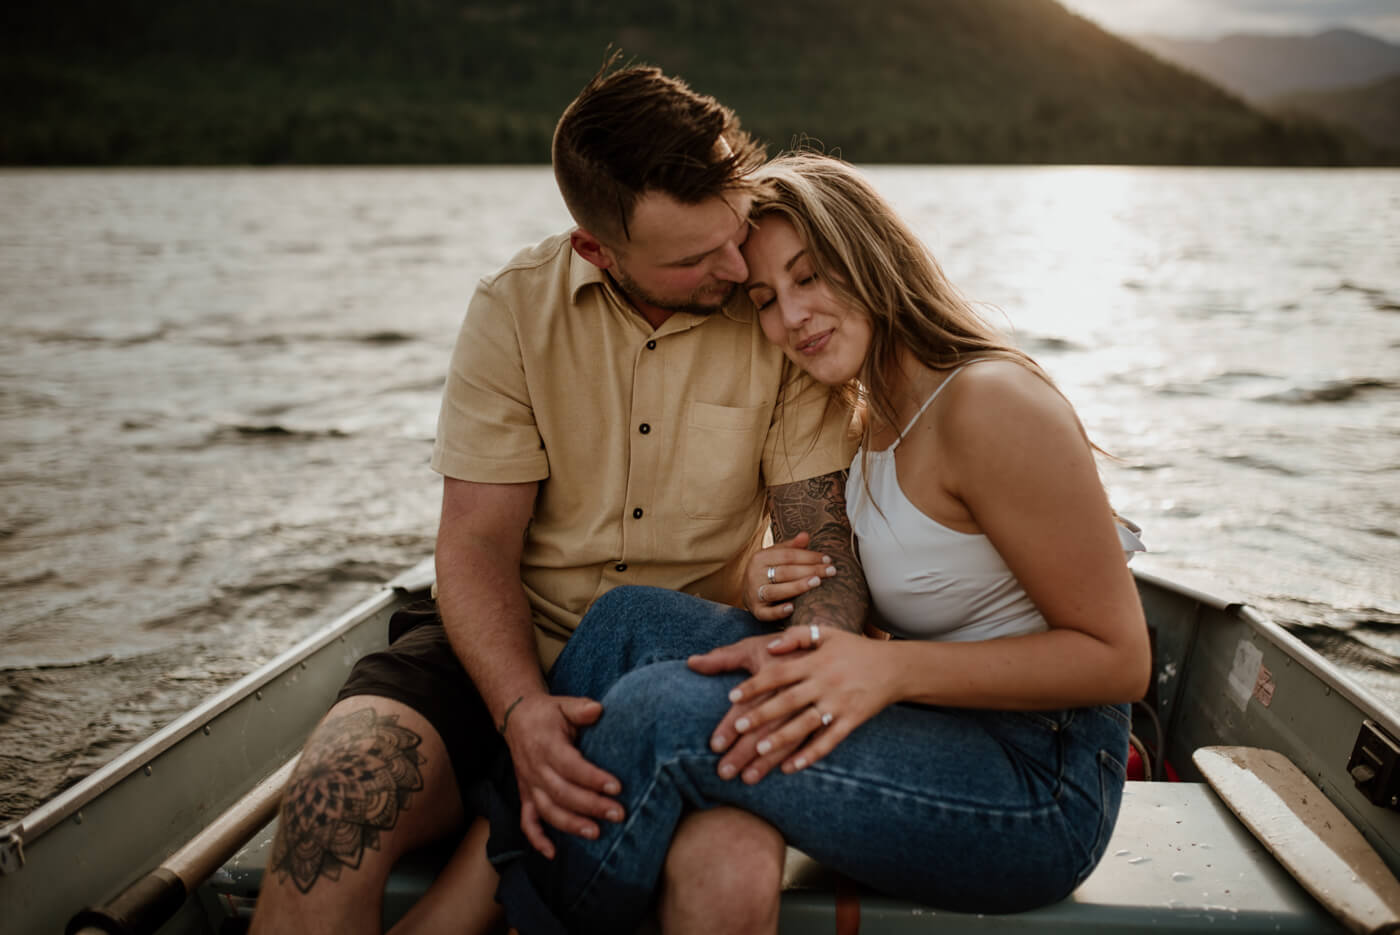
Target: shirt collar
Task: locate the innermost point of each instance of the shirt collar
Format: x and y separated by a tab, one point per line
583	274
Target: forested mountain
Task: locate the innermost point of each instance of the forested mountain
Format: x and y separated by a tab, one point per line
467	81
1372	110
1259	68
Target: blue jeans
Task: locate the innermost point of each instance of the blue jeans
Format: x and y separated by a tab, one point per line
968	810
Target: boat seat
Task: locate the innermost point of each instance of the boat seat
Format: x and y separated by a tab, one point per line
1178	861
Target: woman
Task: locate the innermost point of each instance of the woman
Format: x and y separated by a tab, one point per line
974	762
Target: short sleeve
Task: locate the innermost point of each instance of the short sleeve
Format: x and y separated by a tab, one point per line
486	430
811	432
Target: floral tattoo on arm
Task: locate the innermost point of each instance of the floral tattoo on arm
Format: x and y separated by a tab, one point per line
818	507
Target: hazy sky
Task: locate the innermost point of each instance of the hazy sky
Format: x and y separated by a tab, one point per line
1209	19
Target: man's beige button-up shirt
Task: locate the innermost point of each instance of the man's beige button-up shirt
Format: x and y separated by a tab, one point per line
653	447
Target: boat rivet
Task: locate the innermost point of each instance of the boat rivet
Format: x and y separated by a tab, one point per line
303	667
78	818
258	695
147	771
207	732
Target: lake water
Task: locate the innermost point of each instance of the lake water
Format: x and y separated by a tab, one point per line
219	388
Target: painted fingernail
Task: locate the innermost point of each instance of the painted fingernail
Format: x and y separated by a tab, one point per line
718	743
813	582
830	570
764	746
826	559
737	694
751	776
614	815
611	788
799	763
787	608
742	724
590	832
771	645
726	771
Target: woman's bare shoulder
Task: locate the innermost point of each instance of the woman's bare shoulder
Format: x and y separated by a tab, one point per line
995	392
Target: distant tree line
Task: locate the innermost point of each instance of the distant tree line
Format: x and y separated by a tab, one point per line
267	82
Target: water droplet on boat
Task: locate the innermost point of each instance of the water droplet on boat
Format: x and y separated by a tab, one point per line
1123	853
1139	860
1180	877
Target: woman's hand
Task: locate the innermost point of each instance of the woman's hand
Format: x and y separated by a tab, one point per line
830	683
780	573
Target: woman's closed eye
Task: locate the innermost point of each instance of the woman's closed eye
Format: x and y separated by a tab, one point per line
803	271
761	298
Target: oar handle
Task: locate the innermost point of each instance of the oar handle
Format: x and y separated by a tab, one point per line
208	850
140	908
148	903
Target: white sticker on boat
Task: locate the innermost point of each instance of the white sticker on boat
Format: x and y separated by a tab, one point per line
1245	672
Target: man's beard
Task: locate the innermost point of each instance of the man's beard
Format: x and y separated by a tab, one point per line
635	292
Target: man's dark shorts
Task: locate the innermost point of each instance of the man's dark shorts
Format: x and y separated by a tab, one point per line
419	669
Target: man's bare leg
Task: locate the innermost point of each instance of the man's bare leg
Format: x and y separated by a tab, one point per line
374	782
723	876
462	900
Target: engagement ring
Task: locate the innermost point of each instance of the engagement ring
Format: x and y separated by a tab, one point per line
827	719
816	637
772	574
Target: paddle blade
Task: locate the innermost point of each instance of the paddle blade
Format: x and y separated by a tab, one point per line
1307	833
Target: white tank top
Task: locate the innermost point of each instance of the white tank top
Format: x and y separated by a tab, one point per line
930	582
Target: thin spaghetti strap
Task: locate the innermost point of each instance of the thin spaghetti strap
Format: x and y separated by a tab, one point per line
934	395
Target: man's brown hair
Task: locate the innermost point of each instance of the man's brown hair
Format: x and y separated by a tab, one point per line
637	130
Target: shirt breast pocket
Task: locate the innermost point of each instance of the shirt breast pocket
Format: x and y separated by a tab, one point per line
721	456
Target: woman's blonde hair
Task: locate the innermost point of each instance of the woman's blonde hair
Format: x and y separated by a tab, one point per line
872	261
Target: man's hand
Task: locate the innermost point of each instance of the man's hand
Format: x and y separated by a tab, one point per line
557	785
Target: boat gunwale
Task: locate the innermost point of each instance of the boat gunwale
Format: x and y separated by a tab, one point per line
1318	665
71	800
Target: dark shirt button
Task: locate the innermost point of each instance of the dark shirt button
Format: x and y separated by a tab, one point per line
621	566
651	345
637	513
644	428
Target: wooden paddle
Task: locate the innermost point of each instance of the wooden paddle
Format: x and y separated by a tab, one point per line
1307	833
146	904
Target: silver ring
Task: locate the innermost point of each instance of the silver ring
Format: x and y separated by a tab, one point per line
763	593
827	719
772	574
816	634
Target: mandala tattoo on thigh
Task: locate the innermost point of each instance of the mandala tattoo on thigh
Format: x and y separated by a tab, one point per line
355	776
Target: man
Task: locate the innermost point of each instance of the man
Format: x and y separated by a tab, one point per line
610	417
